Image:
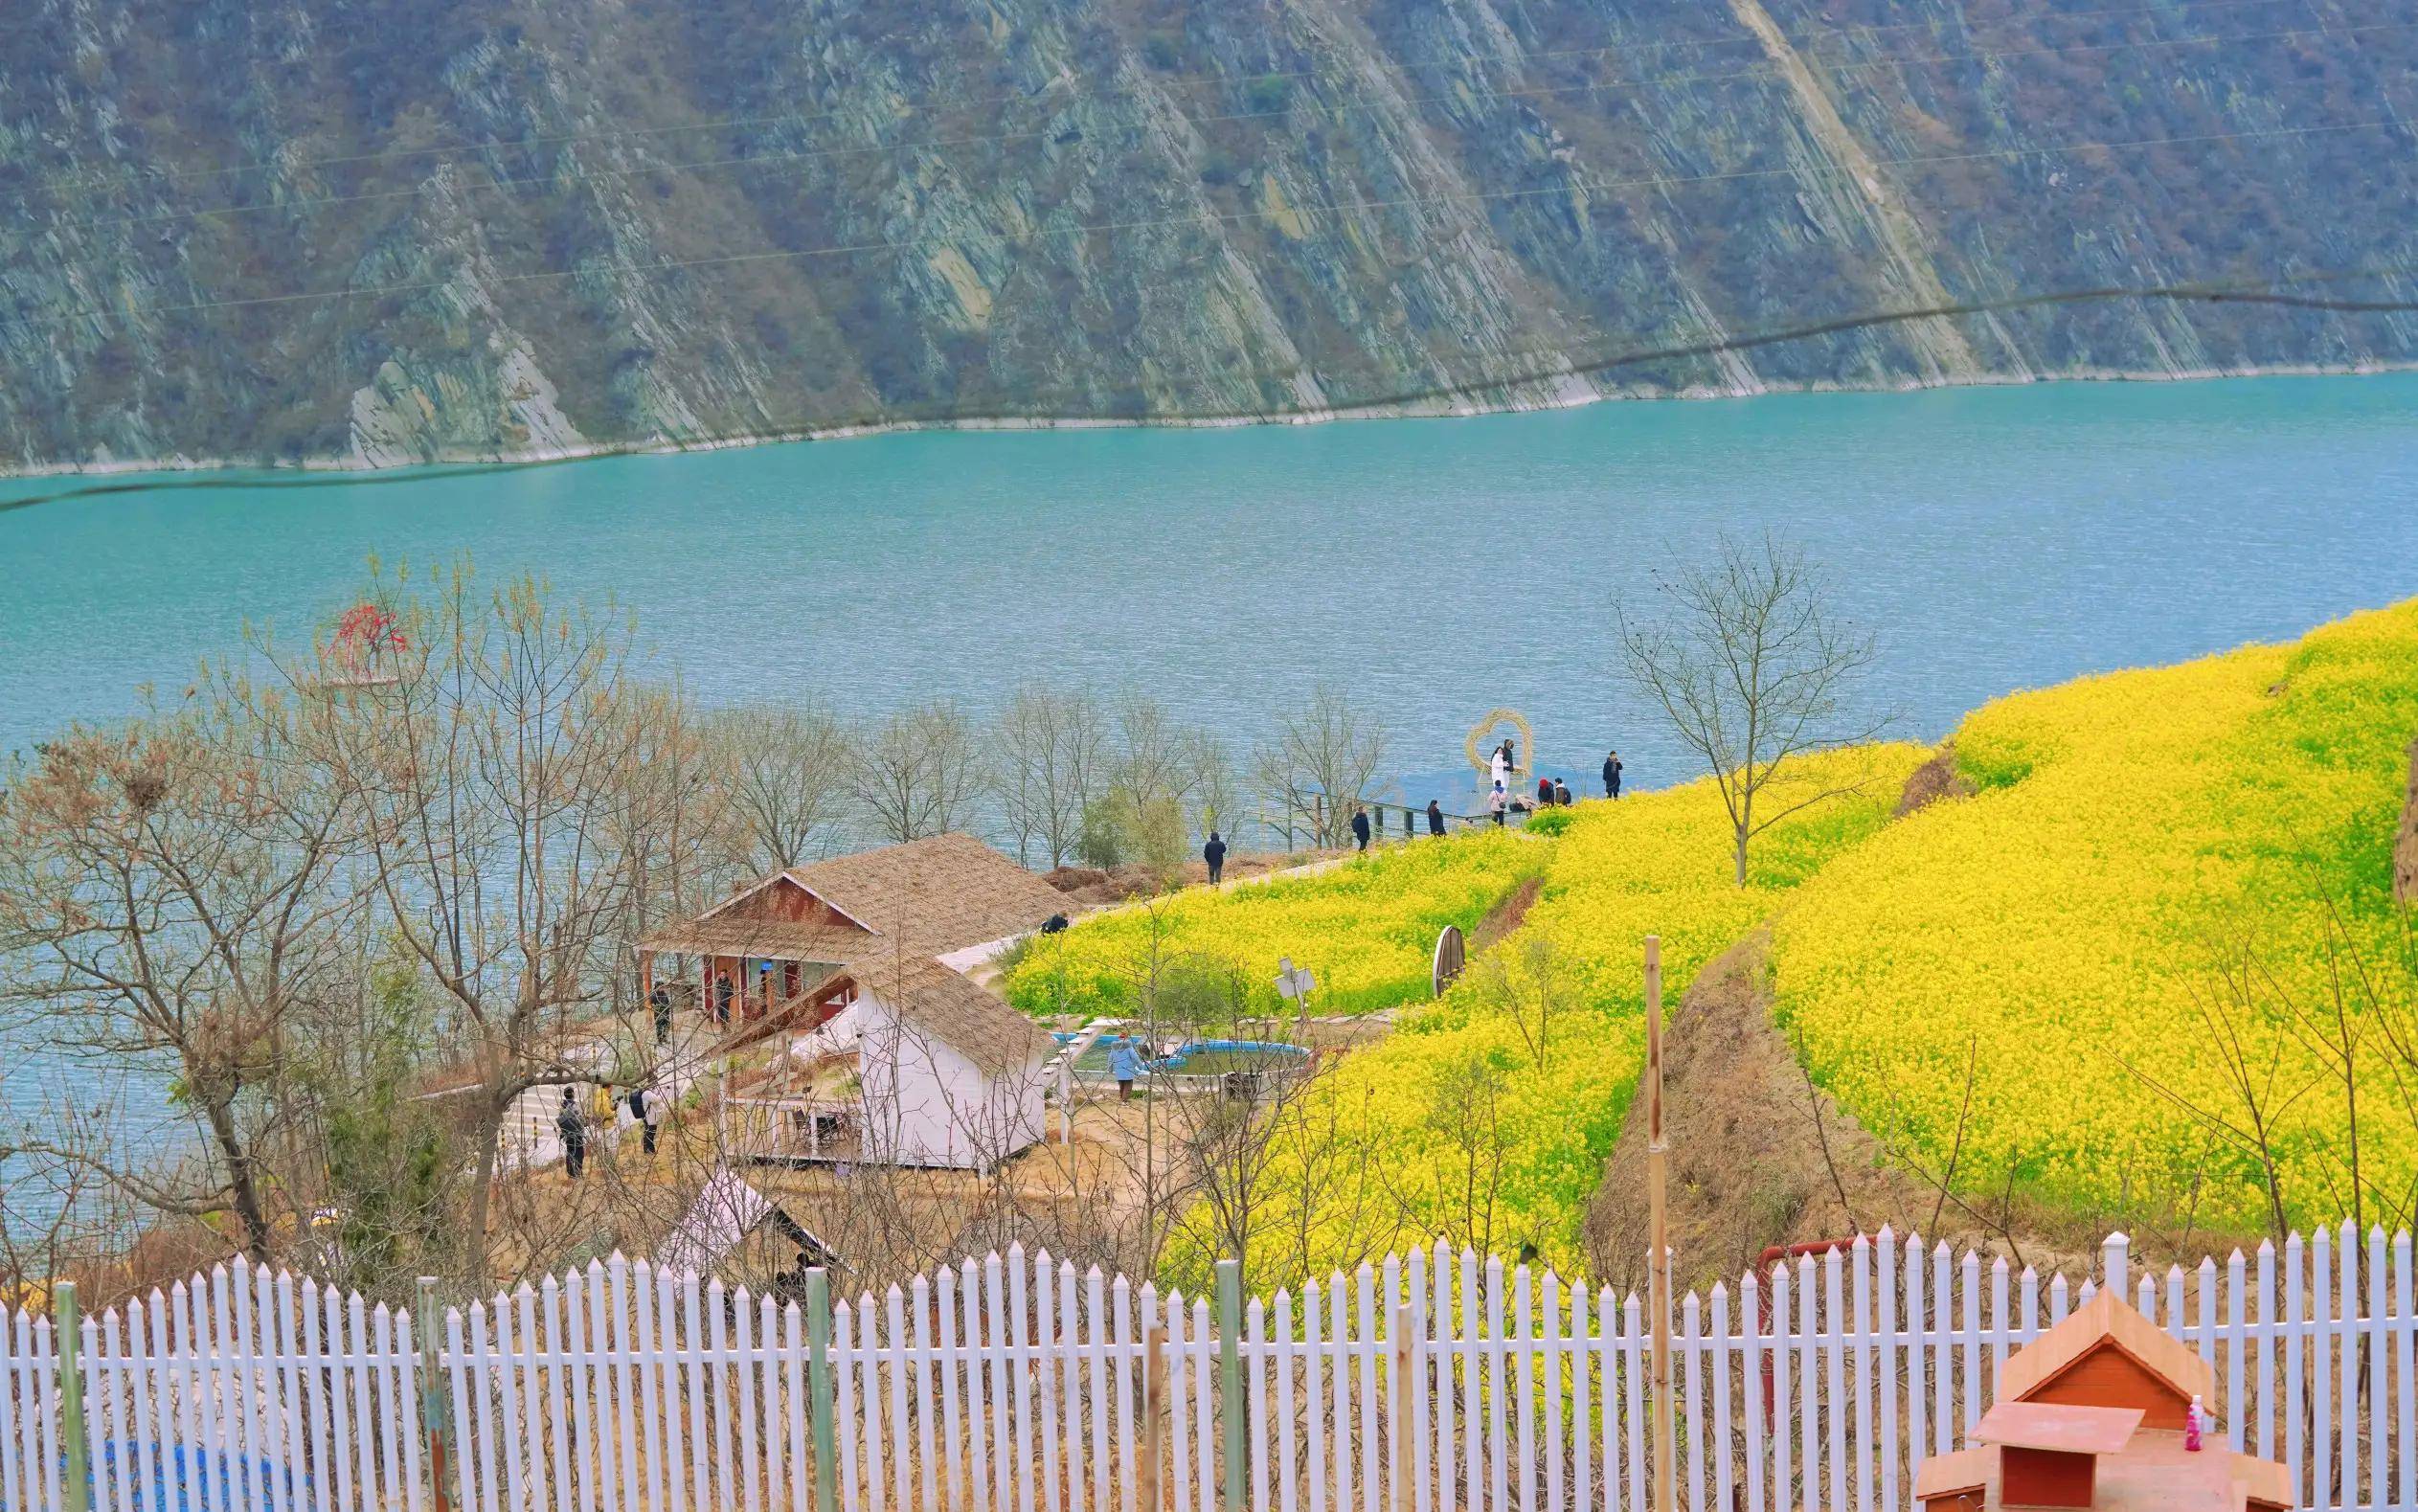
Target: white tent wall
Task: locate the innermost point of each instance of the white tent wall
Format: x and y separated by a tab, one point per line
927	1103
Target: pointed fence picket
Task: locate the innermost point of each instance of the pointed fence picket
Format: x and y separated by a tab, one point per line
1014	1383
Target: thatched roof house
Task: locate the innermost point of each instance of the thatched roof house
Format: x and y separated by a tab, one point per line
864	948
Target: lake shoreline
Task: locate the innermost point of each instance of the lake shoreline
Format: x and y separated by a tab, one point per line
529	457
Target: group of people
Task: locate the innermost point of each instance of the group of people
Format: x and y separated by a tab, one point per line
1550	792
572	1121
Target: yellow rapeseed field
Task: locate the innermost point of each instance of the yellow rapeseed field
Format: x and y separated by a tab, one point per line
1486	1116
1367	929
2134	837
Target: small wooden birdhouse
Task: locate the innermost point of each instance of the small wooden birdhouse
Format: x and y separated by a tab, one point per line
2094	1414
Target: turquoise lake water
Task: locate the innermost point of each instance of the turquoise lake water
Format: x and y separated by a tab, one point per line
1996	538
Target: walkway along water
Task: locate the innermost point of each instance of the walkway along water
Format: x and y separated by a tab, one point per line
1016	1384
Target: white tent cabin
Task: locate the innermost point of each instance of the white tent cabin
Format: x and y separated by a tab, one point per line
921	1068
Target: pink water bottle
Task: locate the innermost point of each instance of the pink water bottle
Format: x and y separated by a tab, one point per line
2192	1422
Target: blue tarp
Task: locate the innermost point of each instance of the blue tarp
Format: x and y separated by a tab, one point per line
176	1479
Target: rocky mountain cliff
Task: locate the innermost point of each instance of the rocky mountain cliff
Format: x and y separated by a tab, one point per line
390	230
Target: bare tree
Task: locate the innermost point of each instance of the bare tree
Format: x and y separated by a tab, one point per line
921	772
1217	804
1055	762
784	777
485	767
177	890
1751	665
1470	1149
1154	761
1322	758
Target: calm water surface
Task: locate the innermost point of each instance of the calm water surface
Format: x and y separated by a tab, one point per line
1996	538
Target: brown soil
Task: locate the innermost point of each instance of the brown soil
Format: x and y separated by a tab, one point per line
2406	847
1748	1167
1760	1158
1507	915
1934	780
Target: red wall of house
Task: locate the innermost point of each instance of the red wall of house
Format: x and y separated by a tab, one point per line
784	900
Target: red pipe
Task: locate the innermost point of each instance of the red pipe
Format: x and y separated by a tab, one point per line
1772	1255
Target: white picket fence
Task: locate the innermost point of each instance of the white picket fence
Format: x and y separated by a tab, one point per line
1011	1383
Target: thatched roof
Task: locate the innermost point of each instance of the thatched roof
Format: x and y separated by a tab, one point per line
958	1013
929	898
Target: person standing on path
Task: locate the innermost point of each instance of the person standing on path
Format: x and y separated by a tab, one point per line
659	1001
573	1130
722	998
1495	802
1359	828
1502	764
1435	817
1214	853
1612	773
648	1113
1124	1065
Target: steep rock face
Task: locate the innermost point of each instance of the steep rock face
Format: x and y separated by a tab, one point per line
398	230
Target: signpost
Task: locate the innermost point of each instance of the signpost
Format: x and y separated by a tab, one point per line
1296	983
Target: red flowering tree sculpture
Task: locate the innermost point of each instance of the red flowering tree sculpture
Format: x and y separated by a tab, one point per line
368	645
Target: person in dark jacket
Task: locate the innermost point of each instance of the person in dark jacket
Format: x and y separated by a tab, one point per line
659	1001
637	1104
722	999
1359	828
1435	817
1544	792
1612	773
573	1130
1214	853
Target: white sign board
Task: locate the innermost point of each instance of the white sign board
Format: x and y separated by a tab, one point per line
1292	980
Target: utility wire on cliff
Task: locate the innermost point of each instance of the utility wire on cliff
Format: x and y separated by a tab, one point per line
2264	293
1825	32
1363	101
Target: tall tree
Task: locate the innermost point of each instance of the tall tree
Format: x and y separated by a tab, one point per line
1752	664
784	776
487	763
1322	758
175	892
1054	760
921	771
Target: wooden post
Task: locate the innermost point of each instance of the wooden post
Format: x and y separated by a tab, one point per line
1154	1429
1658	1260
1230	1377
435	1414
75	1442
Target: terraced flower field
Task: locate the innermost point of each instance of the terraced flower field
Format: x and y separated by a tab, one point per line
1486	1115
2136	839
1365	928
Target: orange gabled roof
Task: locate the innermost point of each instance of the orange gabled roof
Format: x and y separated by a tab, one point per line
2105	1322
